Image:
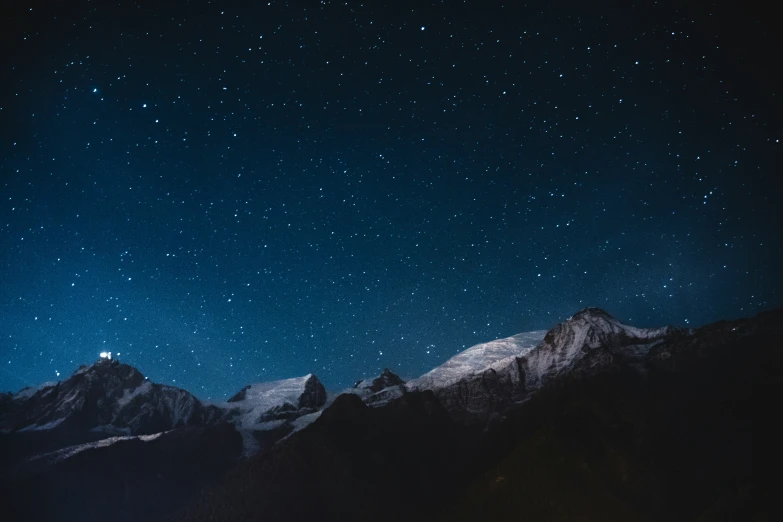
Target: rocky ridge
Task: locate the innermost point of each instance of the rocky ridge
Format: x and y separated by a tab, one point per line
487	379
379	390
105	399
598	421
109	410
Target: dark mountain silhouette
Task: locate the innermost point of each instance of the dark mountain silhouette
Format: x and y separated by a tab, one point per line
660	433
592	420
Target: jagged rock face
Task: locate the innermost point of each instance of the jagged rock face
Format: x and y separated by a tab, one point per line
240	396
266	412
588	330
596	442
257	405
107	397
314	395
589	341
380	390
111	399
386	379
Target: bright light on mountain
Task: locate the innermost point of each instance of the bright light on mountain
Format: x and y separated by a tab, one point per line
105	355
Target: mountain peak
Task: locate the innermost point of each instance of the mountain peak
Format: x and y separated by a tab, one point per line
592	312
277	400
386	379
111	367
106	397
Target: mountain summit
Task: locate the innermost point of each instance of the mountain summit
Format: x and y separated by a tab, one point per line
609	420
593	420
107	397
488	378
386	379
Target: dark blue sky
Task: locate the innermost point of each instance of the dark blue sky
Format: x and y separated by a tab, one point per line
230	195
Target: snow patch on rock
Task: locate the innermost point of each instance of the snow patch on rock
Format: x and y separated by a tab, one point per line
252	407
305	420
477	359
27	393
129	395
70	451
42	427
587	330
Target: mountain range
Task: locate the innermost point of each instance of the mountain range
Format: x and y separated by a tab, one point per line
590	420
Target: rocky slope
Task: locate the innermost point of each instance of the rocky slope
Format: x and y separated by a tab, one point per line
592	419
675	442
102	400
121	478
108	424
108	397
487	379
615	423
354	462
379	390
266	412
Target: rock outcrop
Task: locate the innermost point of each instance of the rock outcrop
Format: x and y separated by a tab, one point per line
489	378
105	399
379	390
266	412
625	424
282	400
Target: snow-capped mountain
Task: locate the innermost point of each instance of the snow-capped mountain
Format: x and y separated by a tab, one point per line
379	390
150	448
275	402
615	423
386	379
106	398
588	334
111	399
477	359
486	379
265	412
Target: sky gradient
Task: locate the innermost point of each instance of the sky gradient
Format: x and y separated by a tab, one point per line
227	195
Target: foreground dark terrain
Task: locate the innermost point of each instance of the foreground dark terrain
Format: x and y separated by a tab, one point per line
597	422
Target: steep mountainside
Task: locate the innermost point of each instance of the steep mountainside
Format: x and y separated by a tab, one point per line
121	478
266	412
592	420
489	378
276	401
98	401
624	424
476	360
107	396
386	379
354	462
674	443
380	390
58	437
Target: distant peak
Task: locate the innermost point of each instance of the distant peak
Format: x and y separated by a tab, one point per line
111	369
589	312
386	379
108	364
241	395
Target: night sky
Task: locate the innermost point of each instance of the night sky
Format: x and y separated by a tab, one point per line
230	195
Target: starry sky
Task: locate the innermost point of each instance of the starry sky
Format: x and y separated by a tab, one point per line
229	195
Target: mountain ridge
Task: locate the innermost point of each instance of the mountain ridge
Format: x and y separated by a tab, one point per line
654	426
471	404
